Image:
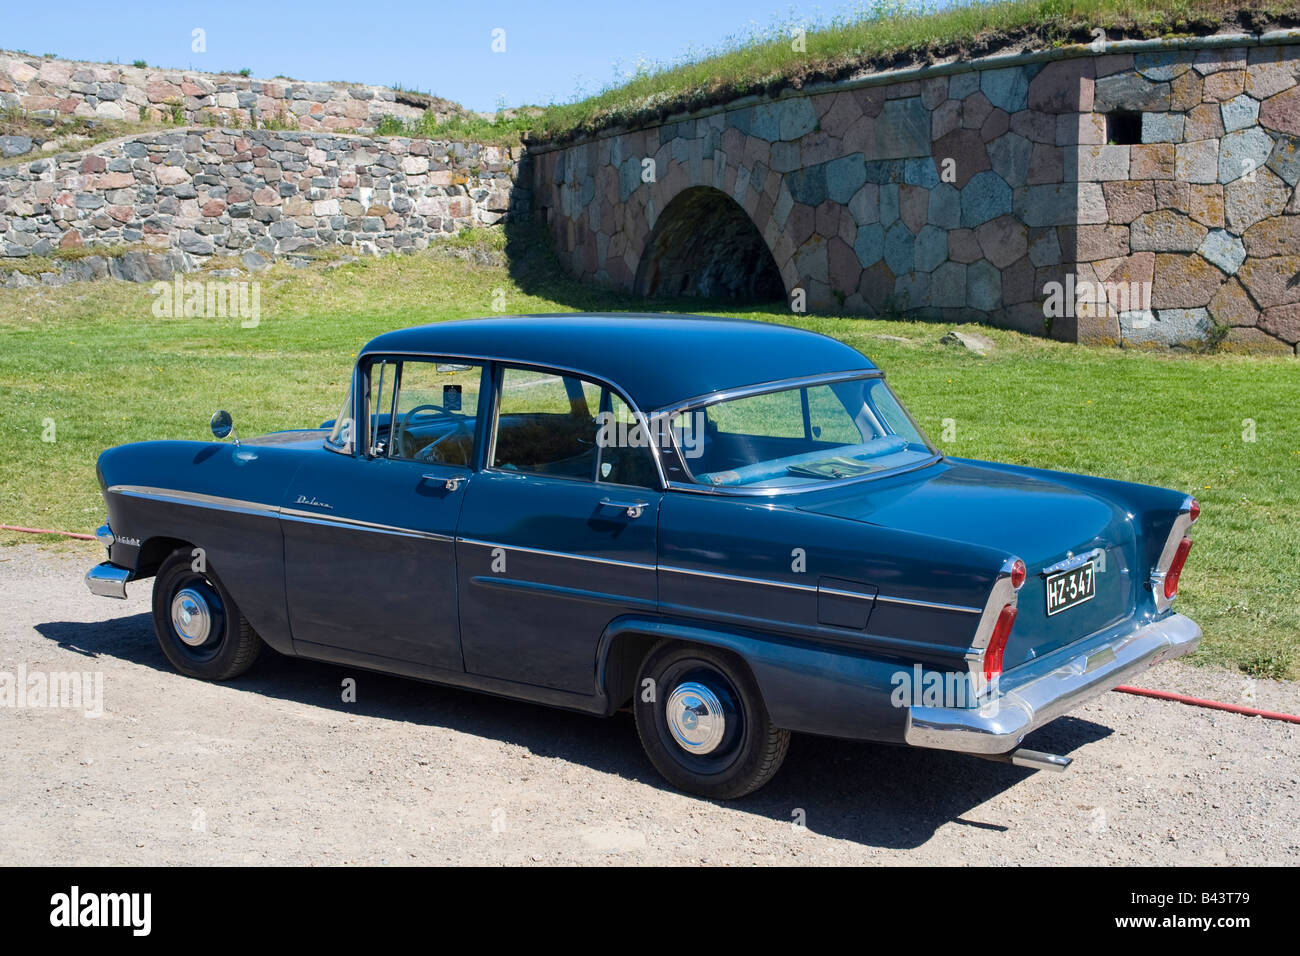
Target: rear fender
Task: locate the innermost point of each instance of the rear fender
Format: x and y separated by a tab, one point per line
806	688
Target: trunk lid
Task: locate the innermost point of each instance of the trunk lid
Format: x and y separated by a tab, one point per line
1039	520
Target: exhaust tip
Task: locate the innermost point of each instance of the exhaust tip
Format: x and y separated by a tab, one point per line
1037	760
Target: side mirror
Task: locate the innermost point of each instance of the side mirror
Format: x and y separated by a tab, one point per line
223	425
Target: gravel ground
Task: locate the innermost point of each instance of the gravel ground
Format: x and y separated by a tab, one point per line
275	768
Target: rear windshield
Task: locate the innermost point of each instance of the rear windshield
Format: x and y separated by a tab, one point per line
799	436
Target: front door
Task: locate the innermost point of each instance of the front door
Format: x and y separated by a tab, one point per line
558	533
369	538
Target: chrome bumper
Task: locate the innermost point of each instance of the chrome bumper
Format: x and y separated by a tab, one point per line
1001	724
108	580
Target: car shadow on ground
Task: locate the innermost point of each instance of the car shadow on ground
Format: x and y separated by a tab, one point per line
872	794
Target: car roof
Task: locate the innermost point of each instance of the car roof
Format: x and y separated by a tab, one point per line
659	360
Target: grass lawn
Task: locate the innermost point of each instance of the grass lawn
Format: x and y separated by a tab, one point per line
95	361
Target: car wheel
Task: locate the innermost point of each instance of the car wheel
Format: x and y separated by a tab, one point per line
198	624
703	722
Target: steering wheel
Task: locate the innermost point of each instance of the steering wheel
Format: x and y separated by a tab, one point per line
429	452
401	434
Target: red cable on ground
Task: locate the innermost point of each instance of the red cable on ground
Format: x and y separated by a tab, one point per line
1212	704
66	534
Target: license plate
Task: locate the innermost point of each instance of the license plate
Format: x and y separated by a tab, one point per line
1072	587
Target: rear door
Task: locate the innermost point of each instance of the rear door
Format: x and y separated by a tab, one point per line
370	561
558	532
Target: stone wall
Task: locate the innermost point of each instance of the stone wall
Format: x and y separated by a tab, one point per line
52	88
205	192
1204	208
976	191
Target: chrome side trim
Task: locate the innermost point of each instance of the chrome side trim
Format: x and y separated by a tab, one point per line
104	535
308	517
790	585
108	580
740	579
556	554
1001	723
836	592
930	605
257	507
829	636
194	498
572	594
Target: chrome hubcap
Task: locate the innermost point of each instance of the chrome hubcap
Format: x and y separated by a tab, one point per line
695	718
191	617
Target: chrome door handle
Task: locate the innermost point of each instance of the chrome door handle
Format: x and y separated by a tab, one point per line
451	484
633	509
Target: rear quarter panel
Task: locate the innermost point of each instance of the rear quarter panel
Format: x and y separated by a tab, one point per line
752	574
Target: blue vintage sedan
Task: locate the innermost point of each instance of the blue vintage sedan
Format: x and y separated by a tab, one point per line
733	527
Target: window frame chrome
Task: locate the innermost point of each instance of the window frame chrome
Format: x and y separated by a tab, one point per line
493	364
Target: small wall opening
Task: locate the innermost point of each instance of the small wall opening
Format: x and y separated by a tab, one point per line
1123	128
704	244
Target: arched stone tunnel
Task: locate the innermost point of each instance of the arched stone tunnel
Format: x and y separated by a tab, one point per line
1144	192
704	244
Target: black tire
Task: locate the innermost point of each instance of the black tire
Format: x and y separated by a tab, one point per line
229	646
745	756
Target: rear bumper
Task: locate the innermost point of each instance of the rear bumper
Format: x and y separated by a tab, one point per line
108	580
1001	724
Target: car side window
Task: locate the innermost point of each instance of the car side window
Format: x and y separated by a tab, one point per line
567	426
435	412
625	454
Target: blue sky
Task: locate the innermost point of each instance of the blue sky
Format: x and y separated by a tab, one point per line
553	49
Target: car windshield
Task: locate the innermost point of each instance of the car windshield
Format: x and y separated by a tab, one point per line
801	435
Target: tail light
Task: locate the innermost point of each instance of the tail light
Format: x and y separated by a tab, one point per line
998	642
1017	574
1176	567
1164	575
